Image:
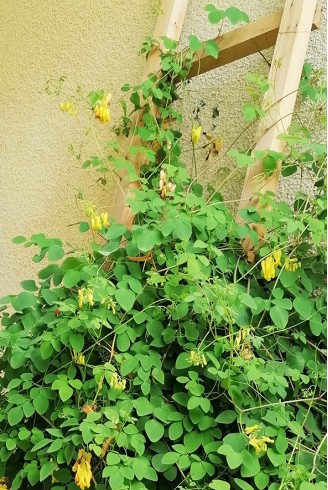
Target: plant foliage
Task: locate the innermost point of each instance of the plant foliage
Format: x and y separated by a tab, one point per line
164	355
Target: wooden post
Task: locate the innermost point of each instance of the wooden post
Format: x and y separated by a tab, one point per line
243	41
169	24
284	78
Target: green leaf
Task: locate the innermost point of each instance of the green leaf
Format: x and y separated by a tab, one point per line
47	469
41	404
125	298
170	458
15	415
212	49
71	278
18	239
192	441
147	239
115	230
303	306
24	300
194	43
276	459
182	230
143	406
242	484
235	15
234	460
197	471
76	341
29	285
279	316
249	112
219	485
226	417
182	361
154	430
33	476
175	431
55	252
84	227
261	480
65	392
214	15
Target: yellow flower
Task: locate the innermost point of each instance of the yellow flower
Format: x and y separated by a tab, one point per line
197	359
259	444
253	428
268	268
90	297
292	264
81	297
117	383
3	483
82	468
79	358
69	108
195	134
96	223
102	111
104	219
277	257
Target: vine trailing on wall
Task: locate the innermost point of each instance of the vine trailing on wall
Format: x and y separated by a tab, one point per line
163	358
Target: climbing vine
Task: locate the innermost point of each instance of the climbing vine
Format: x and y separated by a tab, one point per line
165	357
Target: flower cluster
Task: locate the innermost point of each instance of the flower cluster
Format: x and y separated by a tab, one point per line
117	382
78	357
97	220
195	134
69	107
101	110
197	359
82	468
85	296
164	185
258	443
269	265
292	264
109	303
3	483
242	336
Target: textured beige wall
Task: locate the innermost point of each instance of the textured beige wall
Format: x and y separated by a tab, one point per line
95	43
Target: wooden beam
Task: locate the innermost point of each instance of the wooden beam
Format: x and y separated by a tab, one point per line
279	103
243	41
169	24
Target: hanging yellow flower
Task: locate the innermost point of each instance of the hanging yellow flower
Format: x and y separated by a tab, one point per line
82	468
259	444
85	295
268	268
68	107
3	483
117	383
101	110
277	257
96	223
197	359
253	428
104	219
195	134
78	357
292	264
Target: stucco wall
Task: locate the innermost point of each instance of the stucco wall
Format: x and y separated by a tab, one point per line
95	43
